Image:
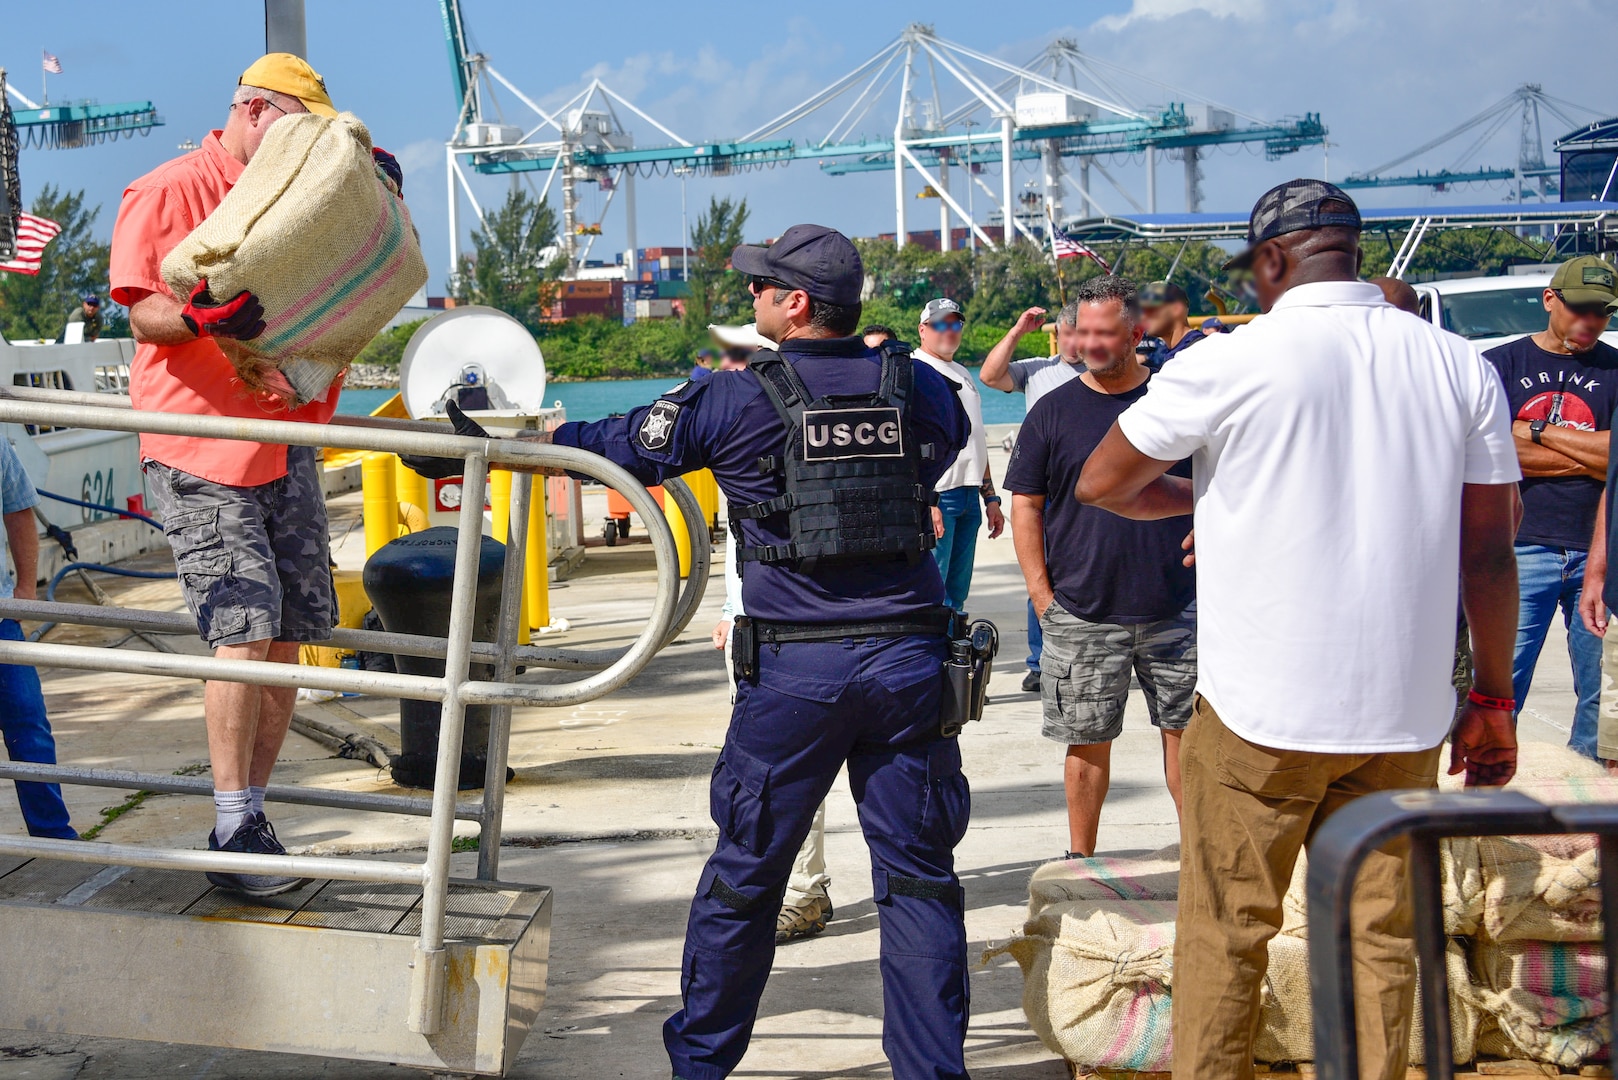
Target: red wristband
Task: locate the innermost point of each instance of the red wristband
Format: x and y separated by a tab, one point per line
1484	701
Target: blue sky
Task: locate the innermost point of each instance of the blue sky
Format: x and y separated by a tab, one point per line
1385	75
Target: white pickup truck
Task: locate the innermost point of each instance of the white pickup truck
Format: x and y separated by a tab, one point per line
1490	311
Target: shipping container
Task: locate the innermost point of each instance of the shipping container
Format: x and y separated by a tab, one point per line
654	309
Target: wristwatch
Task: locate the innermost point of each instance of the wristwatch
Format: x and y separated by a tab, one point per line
987	499
1536	429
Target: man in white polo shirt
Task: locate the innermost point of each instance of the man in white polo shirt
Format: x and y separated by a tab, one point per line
1345	457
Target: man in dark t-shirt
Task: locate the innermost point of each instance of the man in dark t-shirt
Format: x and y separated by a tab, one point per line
1113	595
1562	385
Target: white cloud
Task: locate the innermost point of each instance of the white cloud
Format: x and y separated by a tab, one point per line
1168	9
420	156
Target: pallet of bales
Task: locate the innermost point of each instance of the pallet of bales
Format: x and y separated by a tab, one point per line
1524	961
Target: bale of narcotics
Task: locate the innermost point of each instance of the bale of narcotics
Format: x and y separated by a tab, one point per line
317	232
1097	955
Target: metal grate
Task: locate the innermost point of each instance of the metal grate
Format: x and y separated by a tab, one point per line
472	912
357	905
166	892
45	881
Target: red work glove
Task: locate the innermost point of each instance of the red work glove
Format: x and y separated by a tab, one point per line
241	317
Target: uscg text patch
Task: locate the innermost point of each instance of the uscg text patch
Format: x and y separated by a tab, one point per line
834	434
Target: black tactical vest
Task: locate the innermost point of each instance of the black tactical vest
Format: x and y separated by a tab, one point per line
851	467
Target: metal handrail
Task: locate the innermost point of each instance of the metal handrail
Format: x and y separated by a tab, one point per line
1425	817
455	690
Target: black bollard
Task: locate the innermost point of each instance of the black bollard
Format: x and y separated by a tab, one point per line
410	582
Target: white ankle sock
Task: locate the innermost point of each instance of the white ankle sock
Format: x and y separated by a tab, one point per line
230	812
257	796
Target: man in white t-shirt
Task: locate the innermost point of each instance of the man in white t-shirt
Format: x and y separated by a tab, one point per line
1348	461
955	517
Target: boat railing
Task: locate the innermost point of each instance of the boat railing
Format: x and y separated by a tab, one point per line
455	690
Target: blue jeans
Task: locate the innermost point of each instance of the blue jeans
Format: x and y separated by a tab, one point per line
1548	578
1036	639
959	544
28	738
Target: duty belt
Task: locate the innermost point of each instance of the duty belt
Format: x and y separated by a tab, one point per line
750	634
937	621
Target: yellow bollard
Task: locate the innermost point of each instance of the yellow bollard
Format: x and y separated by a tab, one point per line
536	575
682	532
500	511
500	503
381	501
706	489
413	487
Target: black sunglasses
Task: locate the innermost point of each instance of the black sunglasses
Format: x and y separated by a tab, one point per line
759	284
1585	310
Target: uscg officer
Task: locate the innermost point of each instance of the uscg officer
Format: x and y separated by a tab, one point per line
834	521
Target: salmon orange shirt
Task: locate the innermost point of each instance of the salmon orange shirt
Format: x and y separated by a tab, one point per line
158	211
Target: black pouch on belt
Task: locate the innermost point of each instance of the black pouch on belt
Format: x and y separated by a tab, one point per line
957	695
744	649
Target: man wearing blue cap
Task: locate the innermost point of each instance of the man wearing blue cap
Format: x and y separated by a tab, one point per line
828	452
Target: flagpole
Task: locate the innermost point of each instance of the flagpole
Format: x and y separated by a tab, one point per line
44	87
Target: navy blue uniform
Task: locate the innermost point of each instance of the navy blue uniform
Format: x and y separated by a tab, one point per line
870	702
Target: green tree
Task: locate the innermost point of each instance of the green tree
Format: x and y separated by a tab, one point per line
37	306
387	348
718	293
509	268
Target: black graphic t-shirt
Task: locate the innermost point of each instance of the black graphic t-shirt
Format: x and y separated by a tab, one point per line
1571	391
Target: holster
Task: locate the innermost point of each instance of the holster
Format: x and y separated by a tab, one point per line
744	649
966	673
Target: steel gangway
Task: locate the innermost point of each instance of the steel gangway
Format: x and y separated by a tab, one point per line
376	959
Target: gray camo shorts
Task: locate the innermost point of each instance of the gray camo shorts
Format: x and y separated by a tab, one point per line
1085	667
254	562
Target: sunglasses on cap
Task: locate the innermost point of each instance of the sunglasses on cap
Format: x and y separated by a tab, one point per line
757	285
946	326
1597	309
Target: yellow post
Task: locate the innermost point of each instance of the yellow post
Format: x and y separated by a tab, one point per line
381	501
536	575
412	487
682	532
500	503
706	488
500	509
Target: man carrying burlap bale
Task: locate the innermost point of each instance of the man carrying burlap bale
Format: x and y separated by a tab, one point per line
247	521
1348	460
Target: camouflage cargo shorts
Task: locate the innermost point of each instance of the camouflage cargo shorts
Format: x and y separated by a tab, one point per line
254	562
1085	668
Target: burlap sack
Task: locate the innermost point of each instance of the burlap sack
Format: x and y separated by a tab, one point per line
1095	954
1096	981
1286	1025
315	233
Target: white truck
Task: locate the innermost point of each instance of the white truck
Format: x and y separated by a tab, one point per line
1490	311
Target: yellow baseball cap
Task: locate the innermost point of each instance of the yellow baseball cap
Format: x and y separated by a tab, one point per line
292	76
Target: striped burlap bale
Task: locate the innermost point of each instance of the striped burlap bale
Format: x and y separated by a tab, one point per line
312	229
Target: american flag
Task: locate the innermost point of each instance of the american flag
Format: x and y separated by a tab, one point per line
1065	248
52	64
33	233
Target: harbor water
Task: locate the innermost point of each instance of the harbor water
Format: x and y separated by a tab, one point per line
599	399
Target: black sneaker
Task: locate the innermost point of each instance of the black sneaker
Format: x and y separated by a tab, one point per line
1030	681
255	836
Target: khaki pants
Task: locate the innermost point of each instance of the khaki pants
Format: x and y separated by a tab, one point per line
1248	811
809	880
1607	726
